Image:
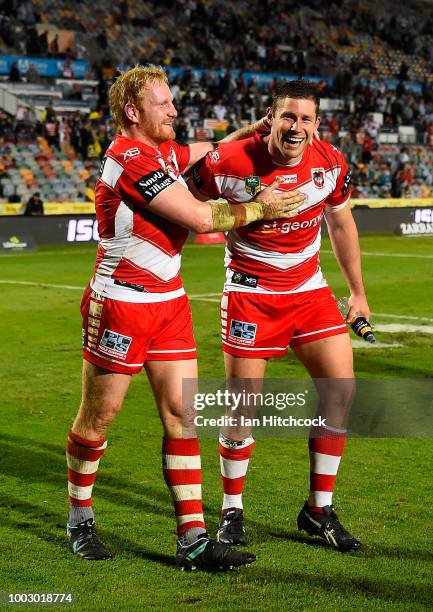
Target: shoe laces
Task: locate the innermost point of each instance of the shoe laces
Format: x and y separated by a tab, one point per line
233	519
333	524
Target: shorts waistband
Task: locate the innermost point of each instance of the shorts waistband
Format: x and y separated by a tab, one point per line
130	292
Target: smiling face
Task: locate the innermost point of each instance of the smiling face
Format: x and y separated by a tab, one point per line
157	113
152	117
294	121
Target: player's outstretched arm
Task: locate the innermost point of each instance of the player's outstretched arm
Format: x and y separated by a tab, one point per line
179	206
345	244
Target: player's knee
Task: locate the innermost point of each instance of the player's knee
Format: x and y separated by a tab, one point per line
102	415
102	420
347	392
175	407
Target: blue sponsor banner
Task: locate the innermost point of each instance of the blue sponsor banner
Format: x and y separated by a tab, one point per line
260	77
265	78
46	67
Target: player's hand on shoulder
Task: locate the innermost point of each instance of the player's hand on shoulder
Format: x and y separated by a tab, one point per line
280	204
263	125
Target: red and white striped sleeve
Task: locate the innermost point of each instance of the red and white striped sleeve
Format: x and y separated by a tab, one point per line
203	175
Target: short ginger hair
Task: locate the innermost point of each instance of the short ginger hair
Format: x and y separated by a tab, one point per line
129	87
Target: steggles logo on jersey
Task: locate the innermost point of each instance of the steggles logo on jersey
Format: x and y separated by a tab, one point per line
290	179
252	184
318	176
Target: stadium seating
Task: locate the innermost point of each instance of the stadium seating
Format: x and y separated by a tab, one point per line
363	51
41	168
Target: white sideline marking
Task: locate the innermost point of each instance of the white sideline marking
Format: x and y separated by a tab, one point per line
34	284
199	246
215	297
393	328
401	317
362	344
379	254
203	297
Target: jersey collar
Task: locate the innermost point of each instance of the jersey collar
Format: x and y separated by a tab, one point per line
142	146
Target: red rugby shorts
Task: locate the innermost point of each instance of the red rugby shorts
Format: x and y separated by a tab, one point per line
122	336
256	325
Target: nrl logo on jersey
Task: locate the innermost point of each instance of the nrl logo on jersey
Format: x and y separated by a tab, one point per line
252	184
318	176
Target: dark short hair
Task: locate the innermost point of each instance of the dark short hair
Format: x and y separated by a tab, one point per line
299	89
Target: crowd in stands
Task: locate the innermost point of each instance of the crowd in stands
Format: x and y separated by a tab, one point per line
59	157
357	49
289	36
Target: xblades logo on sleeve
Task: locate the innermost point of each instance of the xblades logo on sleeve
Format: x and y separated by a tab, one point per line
150	185
101	167
346	183
197	176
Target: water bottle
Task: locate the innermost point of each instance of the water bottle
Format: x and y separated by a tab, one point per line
360	326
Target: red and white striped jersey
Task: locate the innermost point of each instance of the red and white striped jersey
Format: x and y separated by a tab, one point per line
277	256
139	252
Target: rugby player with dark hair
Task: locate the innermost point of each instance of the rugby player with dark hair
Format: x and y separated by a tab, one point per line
276	297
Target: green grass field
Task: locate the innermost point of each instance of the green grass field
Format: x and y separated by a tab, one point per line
384	490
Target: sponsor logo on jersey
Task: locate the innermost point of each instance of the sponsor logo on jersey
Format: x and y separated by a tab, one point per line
247	280
95	309
318	176
242	332
150	185
252	184
130	153
290	179
114	344
132	286
290	226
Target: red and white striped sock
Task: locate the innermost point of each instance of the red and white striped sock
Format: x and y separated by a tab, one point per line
83	458
234	459
182	473
326	445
